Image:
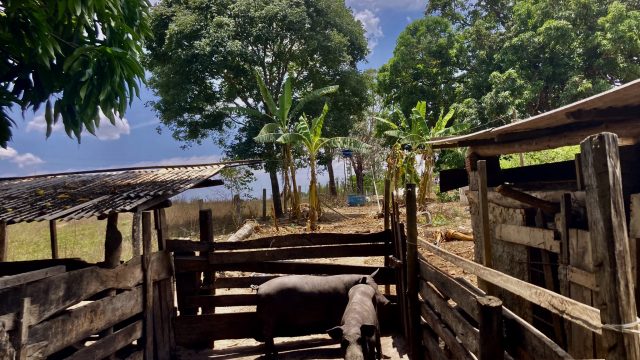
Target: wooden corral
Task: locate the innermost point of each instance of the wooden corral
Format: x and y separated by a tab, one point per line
565	233
67	308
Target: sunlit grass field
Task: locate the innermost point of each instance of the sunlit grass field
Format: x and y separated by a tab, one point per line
84	239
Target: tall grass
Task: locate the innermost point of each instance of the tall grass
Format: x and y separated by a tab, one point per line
84	239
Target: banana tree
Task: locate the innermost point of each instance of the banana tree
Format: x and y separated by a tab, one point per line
414	135
309	134
283	114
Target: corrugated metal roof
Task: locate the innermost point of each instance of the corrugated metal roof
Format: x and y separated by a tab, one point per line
77	195
563	118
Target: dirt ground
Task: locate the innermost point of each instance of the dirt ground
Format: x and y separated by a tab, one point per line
346	220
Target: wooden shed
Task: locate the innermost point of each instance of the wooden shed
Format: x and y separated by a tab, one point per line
68	308
571	227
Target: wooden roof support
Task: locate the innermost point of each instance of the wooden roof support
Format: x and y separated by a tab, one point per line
3	241
610	244
53	234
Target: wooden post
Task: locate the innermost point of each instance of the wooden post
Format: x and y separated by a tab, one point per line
206	235
579	176
135	234
160	217
148	286
484	214
53	234
112	242
387	225
490	325
4	255
23	330
412	273
387	200
264	204
610	244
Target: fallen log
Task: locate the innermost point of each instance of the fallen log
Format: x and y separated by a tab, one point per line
245	231
453	235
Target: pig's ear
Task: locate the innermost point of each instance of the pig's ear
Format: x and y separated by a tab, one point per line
367	330
375	273
363	280
335	333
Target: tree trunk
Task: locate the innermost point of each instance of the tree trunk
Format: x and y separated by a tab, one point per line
357	162
313	197
333	191
295	200
275	193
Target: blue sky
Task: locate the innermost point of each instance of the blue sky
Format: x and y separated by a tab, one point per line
135	141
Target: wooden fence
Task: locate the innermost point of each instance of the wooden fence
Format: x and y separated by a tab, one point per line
87	313
203	312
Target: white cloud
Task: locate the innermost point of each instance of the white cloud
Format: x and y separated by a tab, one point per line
22	160
371	23
105	132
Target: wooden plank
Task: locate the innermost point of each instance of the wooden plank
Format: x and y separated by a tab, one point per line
15	280
110	344
523	340
4	242
206	236
483	208
449	338
147	285
53	236
451	288
306	239
136	240
490	327
528	236
432	345
581	277
193	330
77	324
19	267
634	221
183	245
242	281
609	238
162	230
546	206
311	252
569	309
460	327
23	330
223	300
56	293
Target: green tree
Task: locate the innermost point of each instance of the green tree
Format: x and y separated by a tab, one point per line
73	57
204	55
424	66
309	134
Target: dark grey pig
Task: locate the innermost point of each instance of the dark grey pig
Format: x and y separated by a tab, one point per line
359	334
300	305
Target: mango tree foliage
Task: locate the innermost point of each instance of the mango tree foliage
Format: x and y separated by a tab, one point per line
520	58
424	66
308	133
71	57
204	54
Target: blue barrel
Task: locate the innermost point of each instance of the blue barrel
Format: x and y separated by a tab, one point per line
356	200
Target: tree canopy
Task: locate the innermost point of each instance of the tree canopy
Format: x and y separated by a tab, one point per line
204	55
73	57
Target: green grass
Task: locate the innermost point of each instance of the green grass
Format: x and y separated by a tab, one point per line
84	239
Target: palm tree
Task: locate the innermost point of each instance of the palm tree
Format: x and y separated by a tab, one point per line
309	134
414	135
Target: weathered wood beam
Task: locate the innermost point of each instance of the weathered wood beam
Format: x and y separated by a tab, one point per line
53	236
491	345
206	236
147	286
311	252
19	279
609	238
4	242
528	236
569	309
411	264
192	331
483	208
208	183
109	344
546	206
